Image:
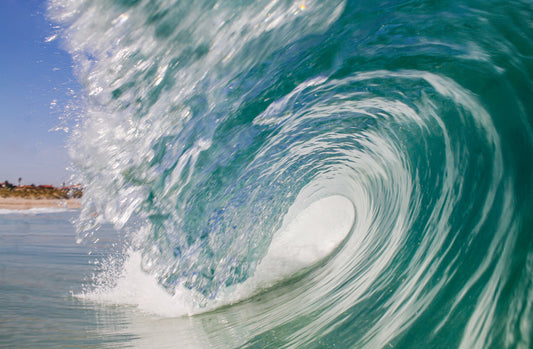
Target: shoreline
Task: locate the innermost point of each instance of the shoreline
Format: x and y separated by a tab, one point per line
16	203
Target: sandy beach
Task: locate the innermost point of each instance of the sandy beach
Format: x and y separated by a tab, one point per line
15	203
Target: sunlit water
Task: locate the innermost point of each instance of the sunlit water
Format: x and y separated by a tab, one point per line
292	174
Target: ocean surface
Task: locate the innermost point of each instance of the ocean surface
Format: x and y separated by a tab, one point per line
286	174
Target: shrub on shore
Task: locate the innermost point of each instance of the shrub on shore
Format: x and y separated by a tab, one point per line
39	192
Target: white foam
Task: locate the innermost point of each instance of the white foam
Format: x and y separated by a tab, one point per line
34	211
137	288
304	239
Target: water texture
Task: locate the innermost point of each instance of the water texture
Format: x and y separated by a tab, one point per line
209	128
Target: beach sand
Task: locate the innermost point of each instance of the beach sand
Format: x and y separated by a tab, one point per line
27	203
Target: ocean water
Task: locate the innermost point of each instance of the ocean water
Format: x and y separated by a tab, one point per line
287	174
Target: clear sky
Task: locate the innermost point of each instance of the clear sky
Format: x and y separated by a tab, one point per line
36	90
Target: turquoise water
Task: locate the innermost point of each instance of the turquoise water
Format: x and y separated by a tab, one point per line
303	174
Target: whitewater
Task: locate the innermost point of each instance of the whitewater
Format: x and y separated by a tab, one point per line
303	174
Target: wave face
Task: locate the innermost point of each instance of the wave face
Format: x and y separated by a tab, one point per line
209	126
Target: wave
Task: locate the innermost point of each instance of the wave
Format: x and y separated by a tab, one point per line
217	135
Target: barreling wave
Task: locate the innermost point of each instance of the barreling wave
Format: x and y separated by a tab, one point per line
215	132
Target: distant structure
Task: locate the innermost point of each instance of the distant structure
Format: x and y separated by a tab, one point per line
31	186
6	185
43	190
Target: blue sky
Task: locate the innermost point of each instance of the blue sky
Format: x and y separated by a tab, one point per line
36	84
